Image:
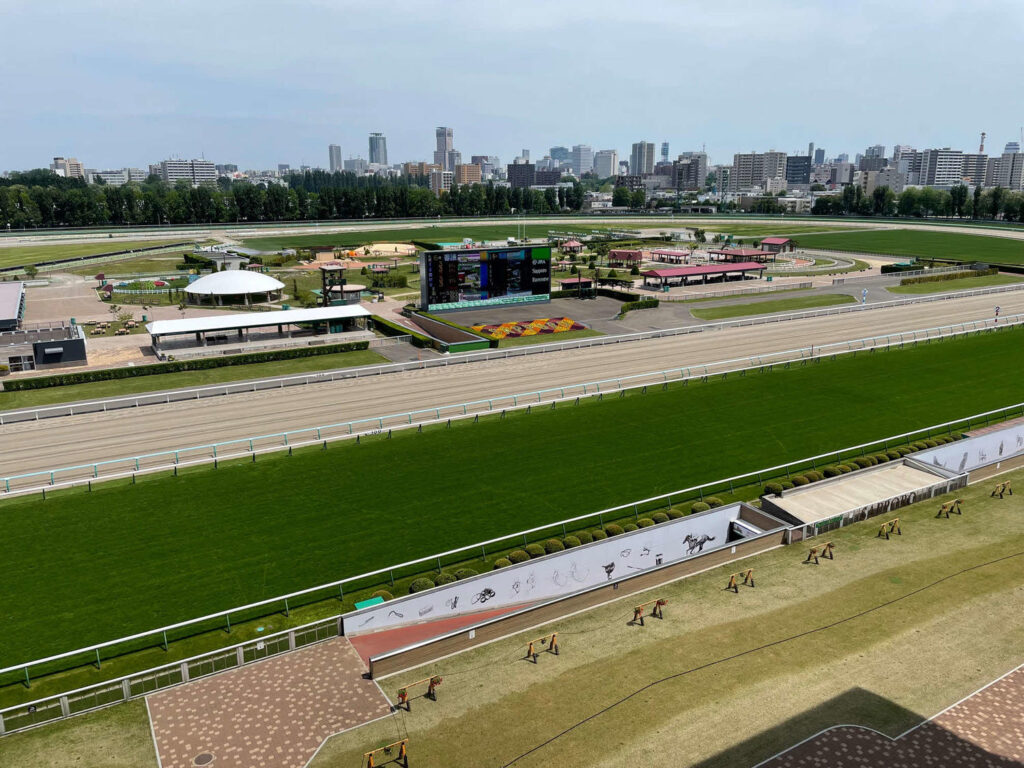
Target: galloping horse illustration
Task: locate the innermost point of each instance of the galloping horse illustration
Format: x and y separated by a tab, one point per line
696	545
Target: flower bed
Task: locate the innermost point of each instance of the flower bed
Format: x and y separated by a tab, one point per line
530	327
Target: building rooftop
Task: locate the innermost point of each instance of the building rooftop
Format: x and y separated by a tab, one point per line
10	301
709	269
776	240
234	282
253	320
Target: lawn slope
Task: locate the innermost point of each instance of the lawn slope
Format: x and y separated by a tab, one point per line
921	244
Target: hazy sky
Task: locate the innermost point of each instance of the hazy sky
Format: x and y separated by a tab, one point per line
257	83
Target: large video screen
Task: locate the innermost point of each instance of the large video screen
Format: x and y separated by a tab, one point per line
475	277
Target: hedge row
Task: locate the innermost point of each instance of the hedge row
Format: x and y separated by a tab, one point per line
83	377
861	462
629	306
944	276
394	329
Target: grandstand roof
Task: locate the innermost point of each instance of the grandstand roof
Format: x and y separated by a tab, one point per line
709	269
221	322
10	301
234	282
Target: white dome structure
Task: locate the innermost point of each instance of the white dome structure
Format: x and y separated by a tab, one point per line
234	286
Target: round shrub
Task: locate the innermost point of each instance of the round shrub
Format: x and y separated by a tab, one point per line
844	468
813	475
880	458
502	562
786	485
799	480
613	530
713	501
570	541
584	537
659	517
772	489
700	506
862	461
534	550
464	573
893	455
630	527
518	556
384	594
919	445
831	472
645	522
421	584
598	535
675	514
445	578
553	545
930	443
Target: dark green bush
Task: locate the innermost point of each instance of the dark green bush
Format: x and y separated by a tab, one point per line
534	550
630	527
787	485
699	506
919	445
844	469
502	562
661	517
553	545
772	489
944	276
893	455
464	573
930	443
613	530
799	480
675	514
713	501
831	472
598	535
584	537
421	584
862	461
570	541
444	578
629	306
518	556
384	594
644	522
814	475
880	458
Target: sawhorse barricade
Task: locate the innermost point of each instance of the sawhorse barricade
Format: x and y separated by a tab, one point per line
1001	488
886	529
748	580
401	759
828	550
551	641
950	506
656	612
432	683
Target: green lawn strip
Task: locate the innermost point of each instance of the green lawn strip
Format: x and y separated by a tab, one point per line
857	266
765	307
960	284
922	244
547	338
169	549
749	231
34	254
855	672
132	386
752	296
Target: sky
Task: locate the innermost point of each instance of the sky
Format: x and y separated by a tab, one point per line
259	83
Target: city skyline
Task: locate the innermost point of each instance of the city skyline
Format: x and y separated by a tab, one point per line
226	89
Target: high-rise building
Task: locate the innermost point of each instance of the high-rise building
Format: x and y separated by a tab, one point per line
843	157
690	171
753	169
559	154
194	171
798	170
283	167
1012	147
419	169
467	174
878	150
819	156
334	157
355	165
521	175
440	181
68	167
444	145
606	163
582	159
117	178
810	150
378	149
225	169
1009	171
664	151
525	154
453	158
941	167
975	167
641	160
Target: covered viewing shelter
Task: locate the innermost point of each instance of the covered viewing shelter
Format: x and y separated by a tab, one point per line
258	331
740	254
234	287
662	278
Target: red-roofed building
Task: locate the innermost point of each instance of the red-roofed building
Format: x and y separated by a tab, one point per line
622	258
571	246
659	278
739	254
777	244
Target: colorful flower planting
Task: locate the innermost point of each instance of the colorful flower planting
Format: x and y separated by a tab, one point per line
530	327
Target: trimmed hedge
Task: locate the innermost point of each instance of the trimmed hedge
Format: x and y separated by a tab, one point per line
629	306
813	475
659	517
714	501
613	530
384	594
773	489
553	545
464	573
108	374
787	485
675	514
645	522
445	578
893	455
831	472
518	556
534	550
630	527
880	458
598	535
421	584
944	276
570	541
584	537
700	506
502	562
799	480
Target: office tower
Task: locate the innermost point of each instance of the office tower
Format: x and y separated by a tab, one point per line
606	163
941	167
819	156
453	158
664	151
753	169
69	168
283	167
334	157
521	175
193	171
843	157
878	150
641	160
1012	147
378	149
1009	171
810	150
440	181
582	159
355	165
467	174
444	146
798	169
690	171
975	167
559	154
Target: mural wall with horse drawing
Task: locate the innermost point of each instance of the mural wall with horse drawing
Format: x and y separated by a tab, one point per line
558	574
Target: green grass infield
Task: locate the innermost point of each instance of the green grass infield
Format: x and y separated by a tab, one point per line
921	244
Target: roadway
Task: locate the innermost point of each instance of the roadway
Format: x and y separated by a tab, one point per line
72	440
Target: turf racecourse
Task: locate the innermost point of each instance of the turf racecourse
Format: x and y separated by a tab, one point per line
86	567
921	244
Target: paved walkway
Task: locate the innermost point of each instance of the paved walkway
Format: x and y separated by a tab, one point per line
272	714
986	729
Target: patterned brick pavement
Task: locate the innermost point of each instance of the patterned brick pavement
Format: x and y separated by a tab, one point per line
986	729
272	713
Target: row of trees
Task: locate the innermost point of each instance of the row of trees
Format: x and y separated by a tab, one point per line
42	199
924	202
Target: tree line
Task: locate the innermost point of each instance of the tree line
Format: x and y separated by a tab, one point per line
40	198
921	202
